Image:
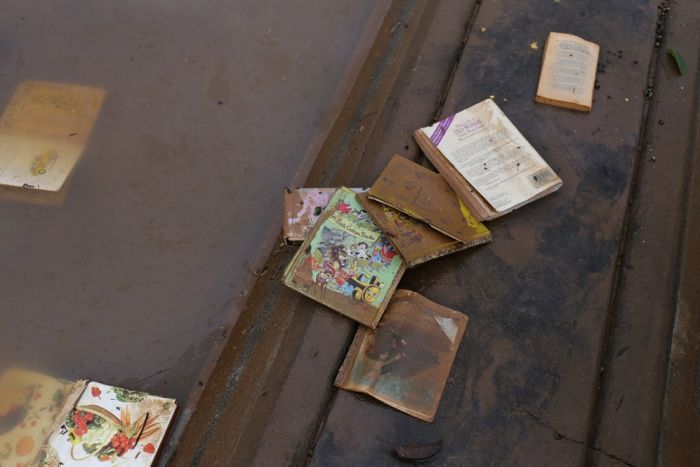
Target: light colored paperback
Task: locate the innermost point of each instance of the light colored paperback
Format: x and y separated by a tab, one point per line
487	161
43	132
568	72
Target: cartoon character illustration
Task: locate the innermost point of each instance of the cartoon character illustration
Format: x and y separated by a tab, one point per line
366	290
362	250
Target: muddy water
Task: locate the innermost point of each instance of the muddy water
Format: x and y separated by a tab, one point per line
131	275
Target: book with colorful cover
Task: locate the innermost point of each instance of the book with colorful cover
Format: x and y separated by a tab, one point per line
109	426
347	263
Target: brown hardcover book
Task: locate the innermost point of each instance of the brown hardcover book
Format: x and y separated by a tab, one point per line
347	263
405	362
487	161
424	195
416	241
302	208
569	66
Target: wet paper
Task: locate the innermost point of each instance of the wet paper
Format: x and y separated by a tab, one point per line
487	161
29	405
406	361
43	132
569	66
302	208
416	241
346	263
110	426
425	195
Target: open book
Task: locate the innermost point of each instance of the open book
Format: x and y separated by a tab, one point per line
49	422
568	72
487	161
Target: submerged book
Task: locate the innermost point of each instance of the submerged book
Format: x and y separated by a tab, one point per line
406	361
49	422
110	426
487	161
43	132
346	263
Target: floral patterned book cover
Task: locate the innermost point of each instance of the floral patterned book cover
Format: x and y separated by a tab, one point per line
110	426
347	263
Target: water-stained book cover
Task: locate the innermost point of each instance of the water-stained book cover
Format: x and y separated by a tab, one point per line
346	263
110	426
426	196
416	241
405	362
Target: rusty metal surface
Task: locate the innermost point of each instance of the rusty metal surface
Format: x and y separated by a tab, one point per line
135	275
271	386
524	383
546	312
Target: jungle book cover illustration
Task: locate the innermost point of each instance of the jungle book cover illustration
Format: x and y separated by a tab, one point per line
109	426
406	360
416	241
346	263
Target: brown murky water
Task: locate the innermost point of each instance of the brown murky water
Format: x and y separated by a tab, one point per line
132	276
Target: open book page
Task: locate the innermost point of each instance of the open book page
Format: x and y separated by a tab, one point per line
493	156
29	405
43	131
568	72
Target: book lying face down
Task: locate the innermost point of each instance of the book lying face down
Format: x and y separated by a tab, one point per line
406	361
49	422
347	263
487	161
416	241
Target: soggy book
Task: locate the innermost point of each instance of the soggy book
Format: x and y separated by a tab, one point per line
302	208
425	195
110	425
567	78
346	263
487	161
406	361
43	132
49	422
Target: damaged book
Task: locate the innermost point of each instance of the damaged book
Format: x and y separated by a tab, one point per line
346	263
487	161
406	361
50	422
425	195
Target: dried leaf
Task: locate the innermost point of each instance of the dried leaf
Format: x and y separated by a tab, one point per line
417	452
680	61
